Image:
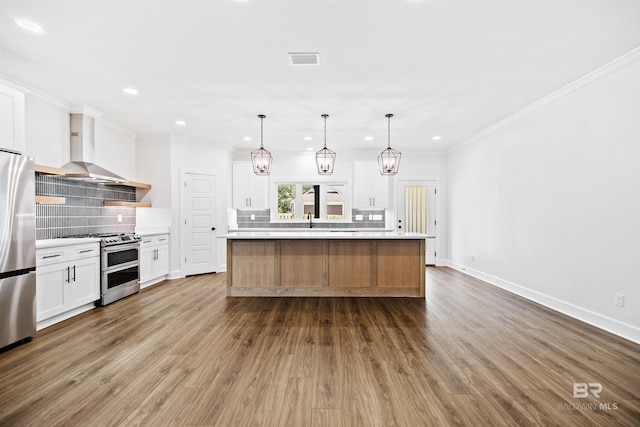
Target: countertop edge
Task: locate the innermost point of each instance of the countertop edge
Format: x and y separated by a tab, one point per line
65	241
340	235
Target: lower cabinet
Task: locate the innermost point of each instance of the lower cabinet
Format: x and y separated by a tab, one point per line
154	259
67	282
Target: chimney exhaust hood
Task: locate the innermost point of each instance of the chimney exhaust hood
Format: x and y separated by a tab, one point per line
82	164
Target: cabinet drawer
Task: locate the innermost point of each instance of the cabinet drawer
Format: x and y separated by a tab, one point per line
66	253
85	251
160	239
50	256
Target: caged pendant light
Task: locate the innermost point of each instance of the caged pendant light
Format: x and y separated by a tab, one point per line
389	159
325	158
261	158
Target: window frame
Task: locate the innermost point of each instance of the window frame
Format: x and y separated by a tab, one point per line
299	207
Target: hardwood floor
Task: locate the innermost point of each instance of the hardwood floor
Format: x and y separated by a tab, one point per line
181	353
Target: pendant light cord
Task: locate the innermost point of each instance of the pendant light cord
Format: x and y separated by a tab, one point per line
325	129
389	130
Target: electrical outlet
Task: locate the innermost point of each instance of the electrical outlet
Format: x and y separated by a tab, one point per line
620	300
119	218
253	217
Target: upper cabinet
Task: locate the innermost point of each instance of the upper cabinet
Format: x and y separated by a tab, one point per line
249	190
371	190
12	119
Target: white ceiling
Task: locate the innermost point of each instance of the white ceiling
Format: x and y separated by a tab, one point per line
449	68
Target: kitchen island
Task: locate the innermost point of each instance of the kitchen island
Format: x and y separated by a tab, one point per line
326	263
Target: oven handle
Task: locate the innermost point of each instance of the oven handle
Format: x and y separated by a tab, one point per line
118	248
120	267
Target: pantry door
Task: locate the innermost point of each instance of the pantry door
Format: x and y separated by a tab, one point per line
417	212
198	222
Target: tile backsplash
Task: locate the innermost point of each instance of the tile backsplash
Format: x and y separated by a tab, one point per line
84	211
262	218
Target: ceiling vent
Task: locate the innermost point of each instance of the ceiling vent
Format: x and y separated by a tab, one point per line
304	58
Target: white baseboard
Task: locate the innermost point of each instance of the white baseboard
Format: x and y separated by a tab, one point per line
153	282
41	324
175	274
624	330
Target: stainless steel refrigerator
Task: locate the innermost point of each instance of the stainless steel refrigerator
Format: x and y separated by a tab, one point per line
17	249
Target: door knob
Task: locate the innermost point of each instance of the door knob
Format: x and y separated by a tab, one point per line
213	229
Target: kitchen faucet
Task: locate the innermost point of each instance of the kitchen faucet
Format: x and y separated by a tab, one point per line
310	221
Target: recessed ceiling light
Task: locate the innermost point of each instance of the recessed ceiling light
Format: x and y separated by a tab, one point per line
28	25
307	138
436	138
130	91
368	138
181	123
247	138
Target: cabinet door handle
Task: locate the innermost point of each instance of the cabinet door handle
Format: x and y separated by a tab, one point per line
250	204
68	274
374	201
161	240
86	250
51	256
74	273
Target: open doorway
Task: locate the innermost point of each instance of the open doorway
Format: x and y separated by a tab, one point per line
417	212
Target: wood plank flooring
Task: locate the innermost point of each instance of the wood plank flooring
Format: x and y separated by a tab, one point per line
181	353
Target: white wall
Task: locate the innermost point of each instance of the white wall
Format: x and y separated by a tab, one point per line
48	137
115	149
547	204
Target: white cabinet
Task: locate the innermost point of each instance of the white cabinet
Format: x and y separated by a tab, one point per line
249	189
371	190
12	121
67	281
154	259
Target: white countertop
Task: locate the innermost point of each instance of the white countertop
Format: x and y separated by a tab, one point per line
353	235
54	243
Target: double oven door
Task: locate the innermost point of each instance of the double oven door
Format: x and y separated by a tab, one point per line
120	270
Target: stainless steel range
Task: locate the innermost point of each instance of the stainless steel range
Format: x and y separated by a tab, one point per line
120	266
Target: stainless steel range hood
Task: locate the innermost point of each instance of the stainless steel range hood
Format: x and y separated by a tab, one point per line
83	145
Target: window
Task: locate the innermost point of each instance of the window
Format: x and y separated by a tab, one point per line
286	201
311	200
335	201
296	201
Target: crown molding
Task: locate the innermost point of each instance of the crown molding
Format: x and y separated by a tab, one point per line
6	81
611	67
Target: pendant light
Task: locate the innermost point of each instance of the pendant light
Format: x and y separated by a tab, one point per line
389	159
325	158
261	158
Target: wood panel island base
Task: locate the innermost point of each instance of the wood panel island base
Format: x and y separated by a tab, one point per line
315	264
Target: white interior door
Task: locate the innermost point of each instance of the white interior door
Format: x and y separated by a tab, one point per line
417	212
199	223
